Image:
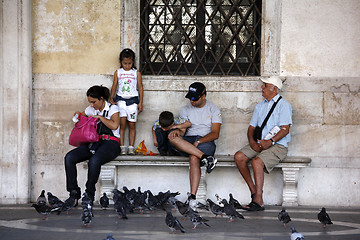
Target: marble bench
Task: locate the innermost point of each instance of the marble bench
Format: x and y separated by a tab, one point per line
290	168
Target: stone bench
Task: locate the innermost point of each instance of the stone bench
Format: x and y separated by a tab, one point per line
290	168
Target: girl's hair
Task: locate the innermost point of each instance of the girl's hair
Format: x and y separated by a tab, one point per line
98	92
127	53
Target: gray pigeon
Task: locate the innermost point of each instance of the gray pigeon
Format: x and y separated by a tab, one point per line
284	217
104	201
198	205
215	209
70	202
139	201
324	217
86	202
219	200
295	235
86	216
44	209
120	206
41	199
173	223
196	219
183	208
54	201
233	202
230	211
109	237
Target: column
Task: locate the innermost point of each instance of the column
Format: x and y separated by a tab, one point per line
16	101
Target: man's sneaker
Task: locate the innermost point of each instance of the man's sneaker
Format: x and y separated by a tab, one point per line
131	150
122	150
210	163
196	205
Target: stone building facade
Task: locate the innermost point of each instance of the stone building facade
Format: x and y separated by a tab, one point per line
53	51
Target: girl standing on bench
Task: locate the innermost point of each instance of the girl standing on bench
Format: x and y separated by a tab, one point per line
127	92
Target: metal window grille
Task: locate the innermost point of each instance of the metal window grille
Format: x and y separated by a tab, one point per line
200	37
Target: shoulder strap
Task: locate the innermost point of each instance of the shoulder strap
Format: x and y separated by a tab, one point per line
270	112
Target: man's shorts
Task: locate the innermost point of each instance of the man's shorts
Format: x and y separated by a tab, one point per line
207	148
270	156
130	111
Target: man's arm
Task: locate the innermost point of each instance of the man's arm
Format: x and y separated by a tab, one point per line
182	127
213	135
284	130
253	144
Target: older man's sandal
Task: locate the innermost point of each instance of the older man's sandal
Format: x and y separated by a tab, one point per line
254	206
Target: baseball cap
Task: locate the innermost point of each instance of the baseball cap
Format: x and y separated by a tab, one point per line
196	90
274	80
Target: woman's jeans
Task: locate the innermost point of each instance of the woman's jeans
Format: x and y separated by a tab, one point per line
106	152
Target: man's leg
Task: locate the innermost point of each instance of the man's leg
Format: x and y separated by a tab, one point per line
258	169
195	174
241	161
180	144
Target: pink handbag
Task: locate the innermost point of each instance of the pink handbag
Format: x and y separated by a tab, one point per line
84	131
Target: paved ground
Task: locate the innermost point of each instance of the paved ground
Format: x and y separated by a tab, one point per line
23	222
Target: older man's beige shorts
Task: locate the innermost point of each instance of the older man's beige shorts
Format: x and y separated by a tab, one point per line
271	156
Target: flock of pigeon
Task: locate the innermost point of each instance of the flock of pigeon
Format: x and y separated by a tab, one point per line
127	201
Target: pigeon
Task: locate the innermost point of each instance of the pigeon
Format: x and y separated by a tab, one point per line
219	200
284	217
230	211
41	199
324	217
44	209
104	201
198	205
86	216
69	203
109	237
151	201
172	201
86	202
54	201
120	207
183	208
173	223
196	219
139	201
215	209
233	202
295	235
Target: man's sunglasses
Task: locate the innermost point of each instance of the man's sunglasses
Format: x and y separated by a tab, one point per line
196	98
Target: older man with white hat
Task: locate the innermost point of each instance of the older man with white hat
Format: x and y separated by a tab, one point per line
268	135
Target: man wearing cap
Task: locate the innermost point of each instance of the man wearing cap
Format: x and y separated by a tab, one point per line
265	154
199	140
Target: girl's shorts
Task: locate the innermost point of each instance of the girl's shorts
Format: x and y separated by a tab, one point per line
130	112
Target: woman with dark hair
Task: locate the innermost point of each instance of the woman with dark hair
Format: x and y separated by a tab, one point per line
98	153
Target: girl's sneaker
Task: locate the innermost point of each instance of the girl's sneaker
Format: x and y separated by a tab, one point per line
131	150
122	150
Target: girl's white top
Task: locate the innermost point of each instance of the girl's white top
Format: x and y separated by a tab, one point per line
127	83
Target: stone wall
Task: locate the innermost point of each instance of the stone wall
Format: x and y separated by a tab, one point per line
311	44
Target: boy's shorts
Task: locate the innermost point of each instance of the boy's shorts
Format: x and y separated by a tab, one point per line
131	111
207	148
270	156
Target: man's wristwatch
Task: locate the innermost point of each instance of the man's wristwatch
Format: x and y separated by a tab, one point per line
272	141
